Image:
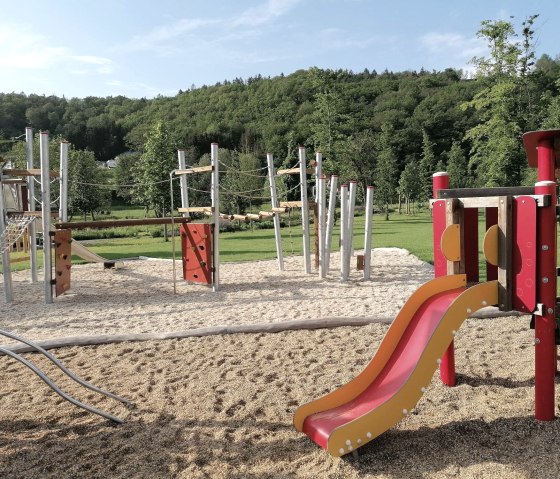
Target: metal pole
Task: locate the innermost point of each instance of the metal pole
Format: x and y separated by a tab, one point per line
343	231
330	221
32	228
46	214
368	233
304	209
318	172
322	199
63	206
7	270
276	219
351	208
183	182
216	214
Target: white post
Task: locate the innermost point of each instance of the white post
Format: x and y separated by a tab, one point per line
343	231
368	233
31	204
322	198
318	172
351	208
7	270
330	221
46	212
304	209
183	182
216	214
276	219
63	182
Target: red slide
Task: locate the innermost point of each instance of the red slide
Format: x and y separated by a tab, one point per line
400	372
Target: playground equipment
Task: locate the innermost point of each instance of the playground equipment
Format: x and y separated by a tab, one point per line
520	247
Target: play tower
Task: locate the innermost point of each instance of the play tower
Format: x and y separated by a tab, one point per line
521	275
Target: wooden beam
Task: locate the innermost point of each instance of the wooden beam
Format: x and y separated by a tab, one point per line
31	172
195	209
195	169
481	192
76	225
267	214
295	204
505	253
294	171
13	181
280	210
492	201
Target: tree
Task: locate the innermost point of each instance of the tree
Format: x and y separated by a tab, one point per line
457	167
409	186
427	166
504	105
386	170
124	175
87	184
152	171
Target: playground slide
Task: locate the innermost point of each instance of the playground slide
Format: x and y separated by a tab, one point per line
401	370
80	250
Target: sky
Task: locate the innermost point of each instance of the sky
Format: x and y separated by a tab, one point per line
146	48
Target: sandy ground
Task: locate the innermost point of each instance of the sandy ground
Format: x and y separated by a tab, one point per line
222	406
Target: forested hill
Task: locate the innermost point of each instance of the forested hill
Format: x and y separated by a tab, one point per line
259	114
361	122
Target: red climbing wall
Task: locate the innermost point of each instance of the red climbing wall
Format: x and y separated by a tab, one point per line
196	247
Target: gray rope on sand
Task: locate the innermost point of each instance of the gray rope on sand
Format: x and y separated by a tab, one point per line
307	324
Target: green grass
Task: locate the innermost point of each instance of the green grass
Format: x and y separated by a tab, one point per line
413	233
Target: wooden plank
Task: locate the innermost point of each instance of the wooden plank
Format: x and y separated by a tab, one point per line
13	181
295	204
505	270
31	172
195	169
195	209
454	215
492	201
120	223
294	171
482	192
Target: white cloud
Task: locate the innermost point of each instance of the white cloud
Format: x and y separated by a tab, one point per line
455	43
264	13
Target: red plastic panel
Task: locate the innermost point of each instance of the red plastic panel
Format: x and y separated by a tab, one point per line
394	375
62	260
491	220
524	254
439	223
196	246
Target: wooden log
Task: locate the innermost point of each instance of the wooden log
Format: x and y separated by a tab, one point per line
279	210
195	209
220	215
195	169
241	218
254	217
294	171
267	214
505	253
120	223
31	172
295	204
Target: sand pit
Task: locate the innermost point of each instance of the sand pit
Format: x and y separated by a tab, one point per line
222	406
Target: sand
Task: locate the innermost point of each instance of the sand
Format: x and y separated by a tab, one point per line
222	406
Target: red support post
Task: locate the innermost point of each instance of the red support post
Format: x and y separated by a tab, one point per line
440	181
545	325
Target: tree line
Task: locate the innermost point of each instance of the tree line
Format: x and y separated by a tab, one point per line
392	130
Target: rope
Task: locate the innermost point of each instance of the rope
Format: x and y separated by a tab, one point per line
227	167
15	228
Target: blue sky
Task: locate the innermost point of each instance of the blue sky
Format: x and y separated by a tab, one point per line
146	48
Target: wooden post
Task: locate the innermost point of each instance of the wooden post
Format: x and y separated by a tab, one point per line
304	209
31	204
343	231
46	211
368	232
183	182
276	219
505	253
